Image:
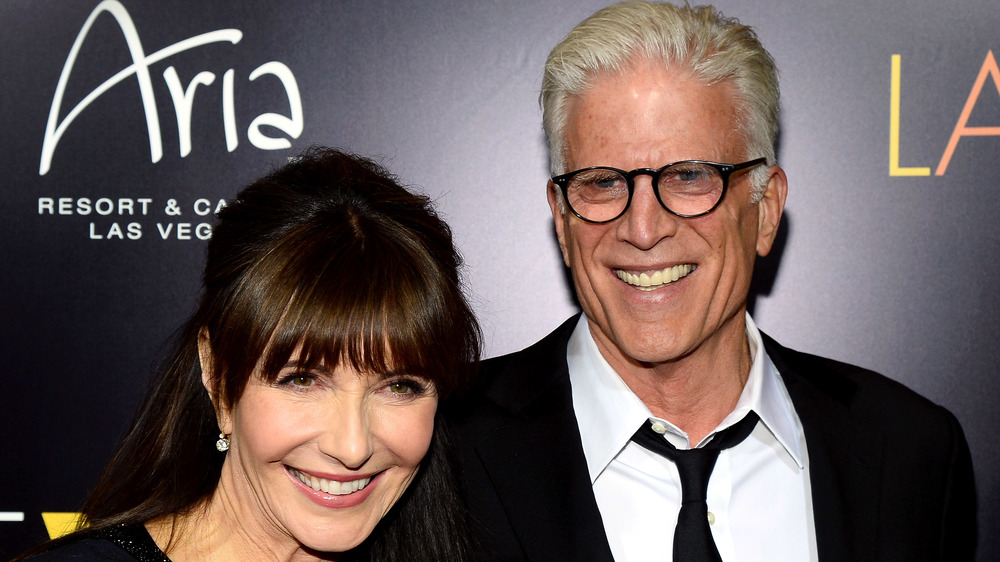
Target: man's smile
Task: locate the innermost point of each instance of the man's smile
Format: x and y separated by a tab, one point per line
652	281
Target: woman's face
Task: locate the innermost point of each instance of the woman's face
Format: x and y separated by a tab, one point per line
321	455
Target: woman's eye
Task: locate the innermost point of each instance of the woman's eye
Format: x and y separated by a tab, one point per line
302	381
400	387
404	387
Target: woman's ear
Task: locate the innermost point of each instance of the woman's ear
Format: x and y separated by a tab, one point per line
208	379
205	359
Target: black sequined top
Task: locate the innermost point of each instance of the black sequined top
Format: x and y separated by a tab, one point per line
122	543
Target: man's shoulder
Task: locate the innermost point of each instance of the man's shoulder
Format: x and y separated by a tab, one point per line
862	395
903	460
512	382
547	356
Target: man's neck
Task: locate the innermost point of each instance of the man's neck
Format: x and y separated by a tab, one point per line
697	391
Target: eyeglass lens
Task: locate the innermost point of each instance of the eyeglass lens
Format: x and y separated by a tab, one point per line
686	188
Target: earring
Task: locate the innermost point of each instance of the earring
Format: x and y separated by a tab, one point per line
223	443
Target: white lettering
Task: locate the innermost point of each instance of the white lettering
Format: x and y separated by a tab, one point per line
203	231
104	206
54	128
182	230
183	103
292	126
133	231
202	207
115	232
229	111
183	98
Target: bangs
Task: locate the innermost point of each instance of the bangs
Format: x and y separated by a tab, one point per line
329	259
370	297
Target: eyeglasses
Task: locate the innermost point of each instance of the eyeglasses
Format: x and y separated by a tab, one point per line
687	189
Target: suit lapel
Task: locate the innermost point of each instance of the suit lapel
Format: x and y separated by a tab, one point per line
535	461
844	458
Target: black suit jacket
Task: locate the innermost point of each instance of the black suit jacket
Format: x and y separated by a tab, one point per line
891	472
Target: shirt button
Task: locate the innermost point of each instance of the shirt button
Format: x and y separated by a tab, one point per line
711	518
659	428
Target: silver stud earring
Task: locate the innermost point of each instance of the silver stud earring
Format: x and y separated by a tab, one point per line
223	443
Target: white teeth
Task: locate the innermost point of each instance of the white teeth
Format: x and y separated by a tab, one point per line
332	487
649	282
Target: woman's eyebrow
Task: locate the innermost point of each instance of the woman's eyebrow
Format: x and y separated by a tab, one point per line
404	373
296	364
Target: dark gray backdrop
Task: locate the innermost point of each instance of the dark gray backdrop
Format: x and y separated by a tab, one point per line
892	272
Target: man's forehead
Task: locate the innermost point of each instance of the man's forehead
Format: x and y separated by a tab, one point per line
652	113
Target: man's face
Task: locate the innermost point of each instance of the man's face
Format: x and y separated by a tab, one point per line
646	118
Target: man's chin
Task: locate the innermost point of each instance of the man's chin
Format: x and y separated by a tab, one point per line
651	345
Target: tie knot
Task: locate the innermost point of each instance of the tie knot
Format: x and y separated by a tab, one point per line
695	465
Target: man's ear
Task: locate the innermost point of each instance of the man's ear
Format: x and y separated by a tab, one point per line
558	207
208	380
769	209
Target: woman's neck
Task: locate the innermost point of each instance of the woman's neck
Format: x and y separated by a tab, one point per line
220	529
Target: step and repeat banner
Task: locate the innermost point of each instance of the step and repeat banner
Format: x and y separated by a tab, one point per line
127	123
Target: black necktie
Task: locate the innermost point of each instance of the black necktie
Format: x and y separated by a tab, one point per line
692	537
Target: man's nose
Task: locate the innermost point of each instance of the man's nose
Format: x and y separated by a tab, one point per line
646	222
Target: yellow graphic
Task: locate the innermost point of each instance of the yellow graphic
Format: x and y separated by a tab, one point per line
61	523
894	169
989	68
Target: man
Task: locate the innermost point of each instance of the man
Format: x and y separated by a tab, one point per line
661	123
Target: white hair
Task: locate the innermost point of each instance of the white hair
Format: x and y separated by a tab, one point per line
699	39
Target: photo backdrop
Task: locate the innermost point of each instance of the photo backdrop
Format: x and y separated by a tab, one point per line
127	123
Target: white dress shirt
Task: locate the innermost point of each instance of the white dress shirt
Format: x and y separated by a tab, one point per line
759	498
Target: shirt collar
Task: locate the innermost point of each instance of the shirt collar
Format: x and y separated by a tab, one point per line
608	412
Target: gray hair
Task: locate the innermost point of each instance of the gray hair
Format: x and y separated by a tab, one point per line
712	47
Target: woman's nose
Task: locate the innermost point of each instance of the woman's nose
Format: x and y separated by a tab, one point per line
348	437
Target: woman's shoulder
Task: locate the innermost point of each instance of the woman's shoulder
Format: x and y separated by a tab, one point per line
122	543
85	549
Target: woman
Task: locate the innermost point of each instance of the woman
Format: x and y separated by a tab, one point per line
297	417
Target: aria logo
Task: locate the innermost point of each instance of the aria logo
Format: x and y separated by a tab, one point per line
182	97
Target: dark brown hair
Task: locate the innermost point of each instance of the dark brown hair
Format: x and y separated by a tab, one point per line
328	253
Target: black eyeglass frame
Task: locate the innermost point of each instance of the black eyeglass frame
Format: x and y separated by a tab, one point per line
725	170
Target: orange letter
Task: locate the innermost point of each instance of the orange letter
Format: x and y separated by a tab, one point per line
894	169
989	67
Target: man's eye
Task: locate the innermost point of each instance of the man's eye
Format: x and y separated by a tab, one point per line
599	179
608	182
